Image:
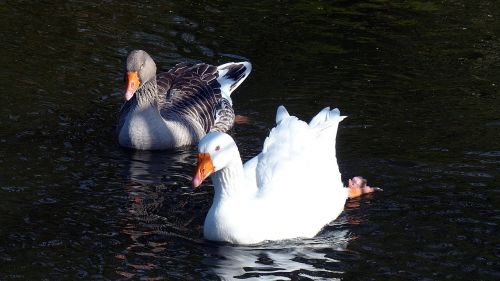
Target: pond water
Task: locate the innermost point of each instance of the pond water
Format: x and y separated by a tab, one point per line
419	81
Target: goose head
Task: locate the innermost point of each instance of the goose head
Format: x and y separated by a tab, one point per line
216	151
140	69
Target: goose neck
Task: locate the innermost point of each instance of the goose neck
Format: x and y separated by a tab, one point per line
229	181
146	95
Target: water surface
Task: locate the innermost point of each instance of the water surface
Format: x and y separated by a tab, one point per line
418	79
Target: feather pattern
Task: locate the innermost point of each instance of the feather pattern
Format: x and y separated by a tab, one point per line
189	100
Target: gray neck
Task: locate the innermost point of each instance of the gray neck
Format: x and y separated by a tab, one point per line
147	94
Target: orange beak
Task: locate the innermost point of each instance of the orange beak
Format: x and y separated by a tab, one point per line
133	83
204	169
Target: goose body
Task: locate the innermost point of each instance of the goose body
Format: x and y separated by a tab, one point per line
291	189
178	107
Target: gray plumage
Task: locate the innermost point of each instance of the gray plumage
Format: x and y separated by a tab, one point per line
178	107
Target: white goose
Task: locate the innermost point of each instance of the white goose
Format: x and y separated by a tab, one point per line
177	107
291	189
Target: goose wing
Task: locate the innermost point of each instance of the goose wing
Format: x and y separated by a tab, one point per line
297	155
195	91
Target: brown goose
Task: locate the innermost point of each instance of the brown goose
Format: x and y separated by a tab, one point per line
177	107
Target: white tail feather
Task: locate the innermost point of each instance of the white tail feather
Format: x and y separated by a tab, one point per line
326	116
281	114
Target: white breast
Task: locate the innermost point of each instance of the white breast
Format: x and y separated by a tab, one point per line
145	129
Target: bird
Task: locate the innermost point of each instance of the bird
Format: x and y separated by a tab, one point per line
291	189
177	107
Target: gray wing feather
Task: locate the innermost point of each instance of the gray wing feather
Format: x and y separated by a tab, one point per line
192	90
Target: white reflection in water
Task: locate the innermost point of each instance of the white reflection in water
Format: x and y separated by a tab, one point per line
277	260
283	260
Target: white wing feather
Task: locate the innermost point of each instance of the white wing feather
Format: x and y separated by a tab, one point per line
297	154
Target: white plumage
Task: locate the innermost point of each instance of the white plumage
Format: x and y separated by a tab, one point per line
291	189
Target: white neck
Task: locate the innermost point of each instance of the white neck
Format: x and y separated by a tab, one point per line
229	182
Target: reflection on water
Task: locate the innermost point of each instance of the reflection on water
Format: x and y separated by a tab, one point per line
164	219
286	260
418	80
160	234
147	167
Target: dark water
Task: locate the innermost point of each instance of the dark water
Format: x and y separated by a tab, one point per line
419	81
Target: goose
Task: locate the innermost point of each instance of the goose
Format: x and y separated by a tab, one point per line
178	107
289	190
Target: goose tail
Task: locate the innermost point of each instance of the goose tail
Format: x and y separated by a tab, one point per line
231	75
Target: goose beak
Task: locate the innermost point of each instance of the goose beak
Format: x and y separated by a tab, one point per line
133	83
204	169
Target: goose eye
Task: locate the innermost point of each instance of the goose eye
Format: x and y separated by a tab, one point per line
142	66
217	148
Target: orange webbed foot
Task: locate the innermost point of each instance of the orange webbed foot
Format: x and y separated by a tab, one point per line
241	119
358	186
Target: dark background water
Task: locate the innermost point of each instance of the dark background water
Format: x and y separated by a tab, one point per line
419	81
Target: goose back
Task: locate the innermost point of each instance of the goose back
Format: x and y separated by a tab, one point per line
191	91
